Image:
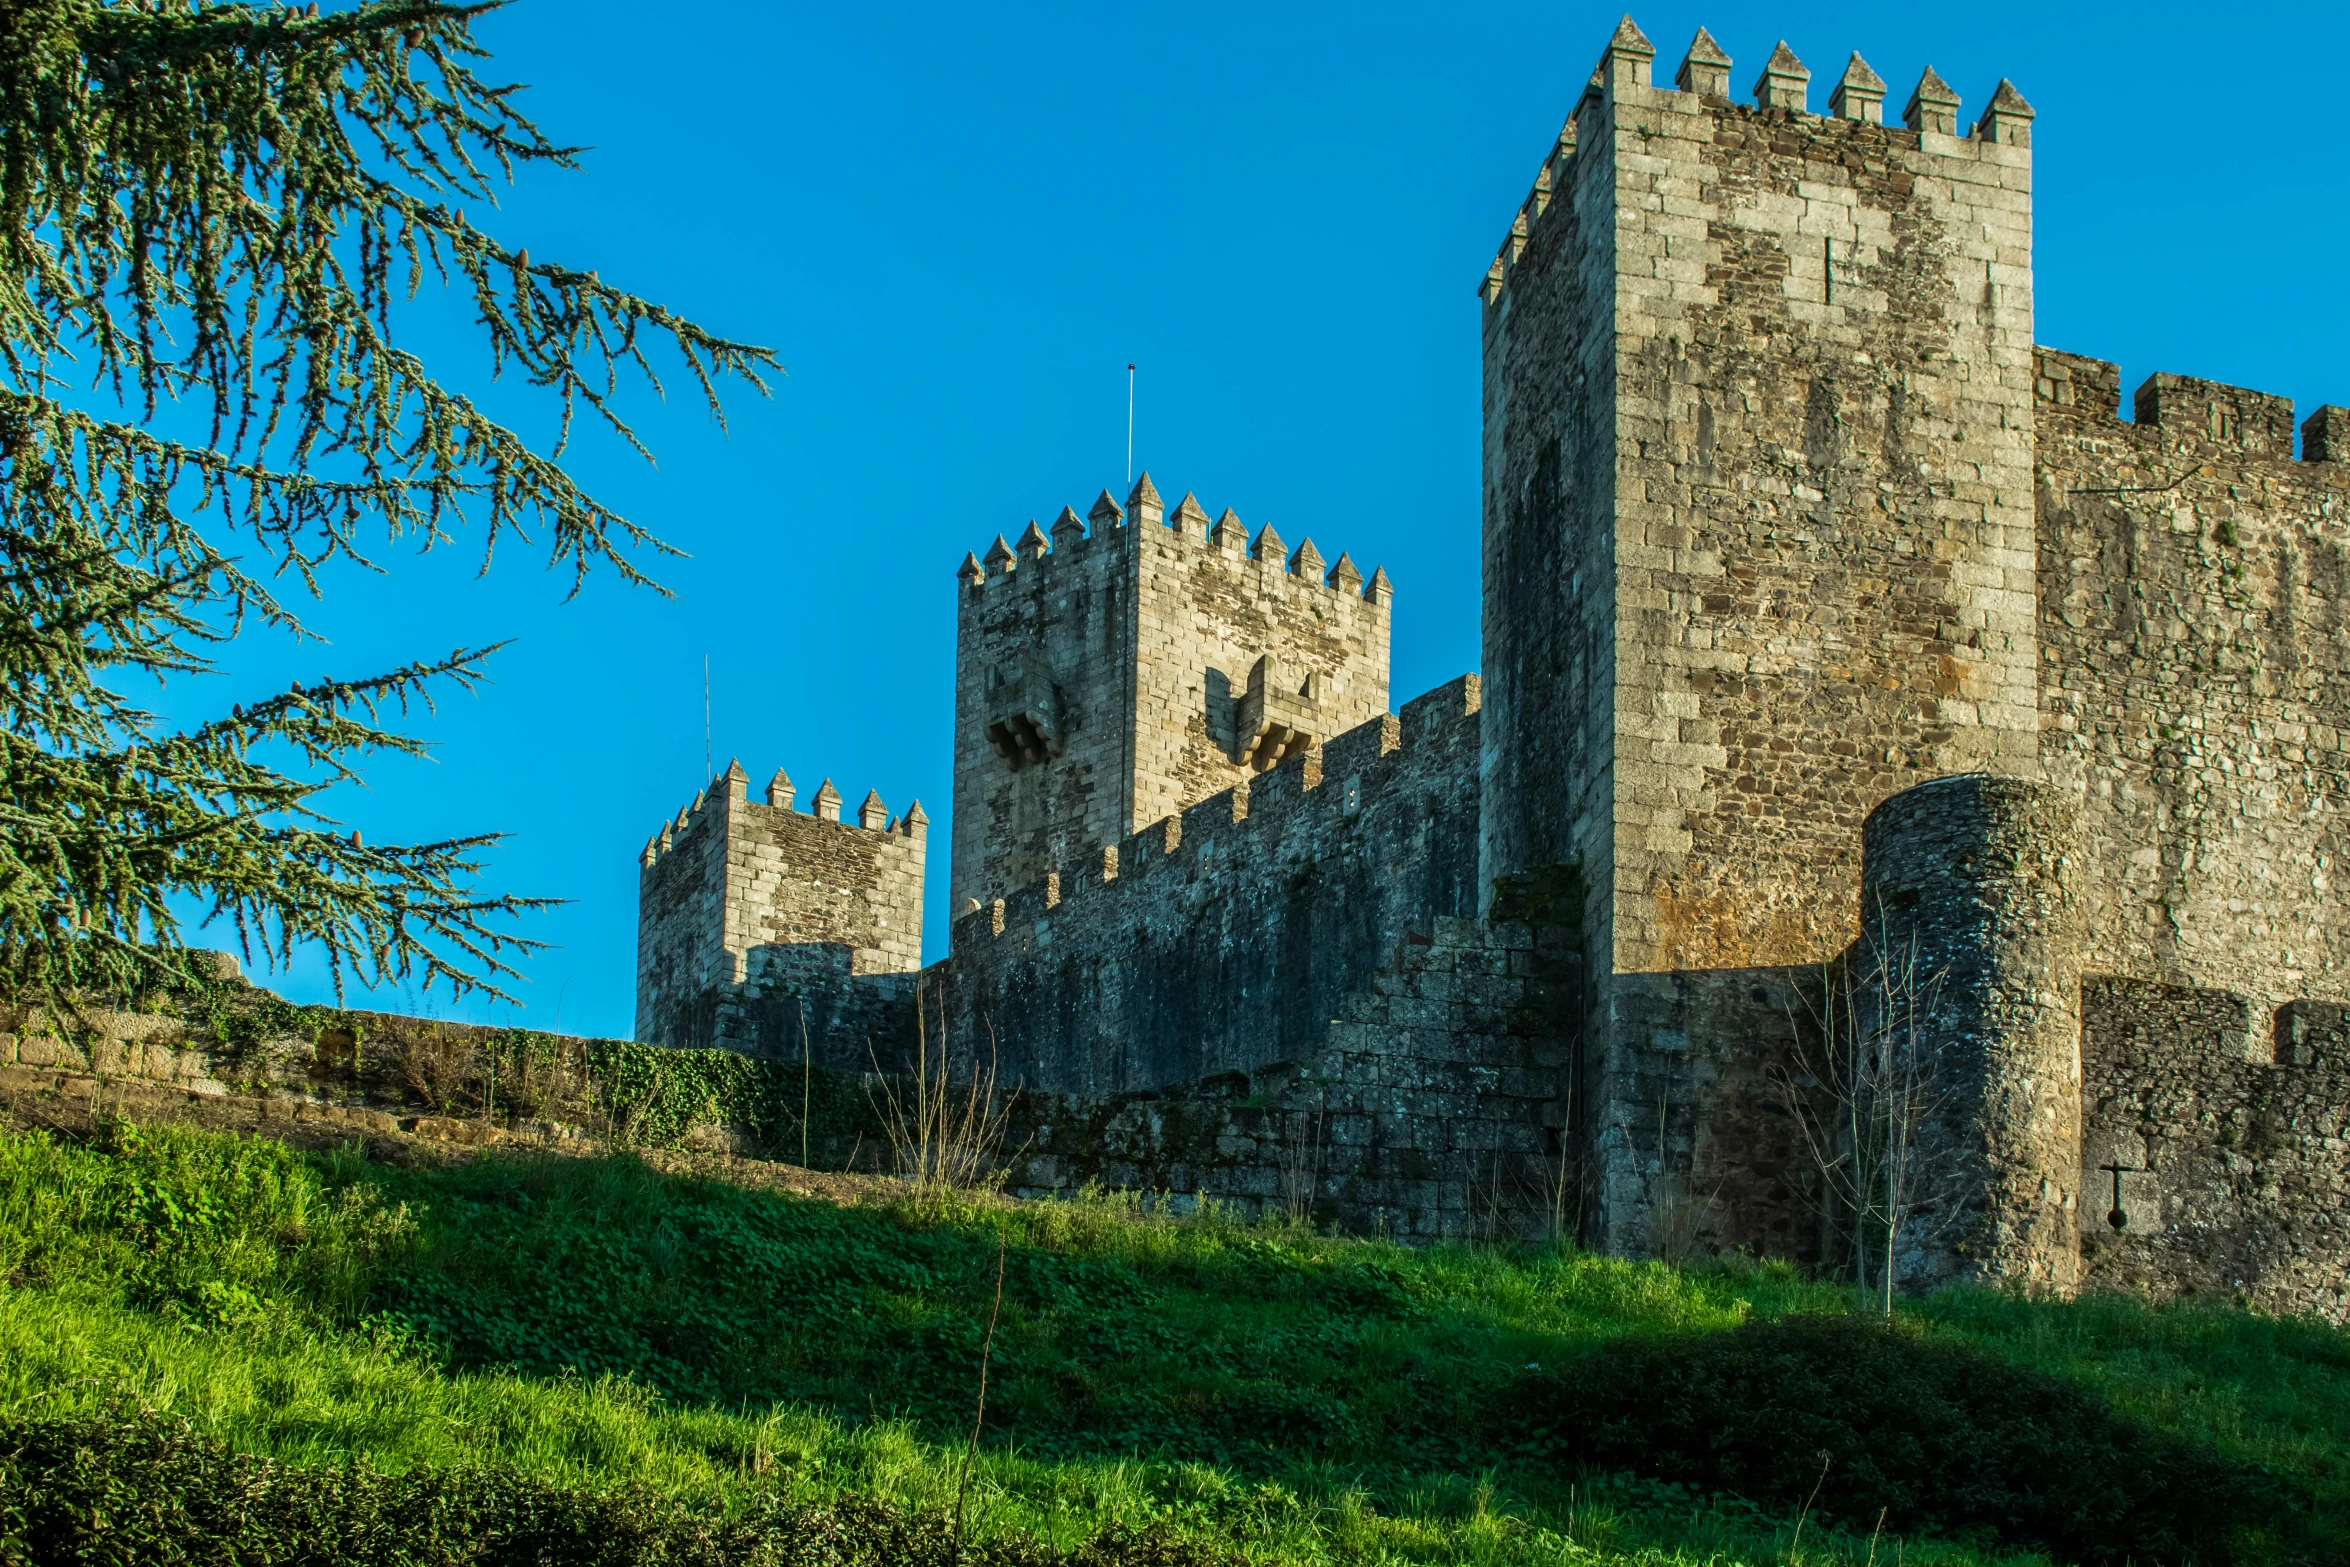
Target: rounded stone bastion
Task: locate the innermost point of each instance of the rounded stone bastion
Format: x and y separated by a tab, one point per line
1969	949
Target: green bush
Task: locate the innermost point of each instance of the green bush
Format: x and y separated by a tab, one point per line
144	1489
1858	1420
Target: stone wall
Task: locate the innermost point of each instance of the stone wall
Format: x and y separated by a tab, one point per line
2232	1130
2195	598
1972	906
36	1049
1231	935
1426	1111
1687	1142
241	1058
757	923
1113	677
2230	1117
1970	956
1758	392
1246	650
1429	1109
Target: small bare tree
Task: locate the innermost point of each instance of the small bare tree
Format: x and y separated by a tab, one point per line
945	1134
1865	1084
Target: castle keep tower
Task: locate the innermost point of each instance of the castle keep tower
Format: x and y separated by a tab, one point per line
1758	493
754	918
1759	544
1108	678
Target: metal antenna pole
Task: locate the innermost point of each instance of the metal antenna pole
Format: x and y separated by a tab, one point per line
1130	424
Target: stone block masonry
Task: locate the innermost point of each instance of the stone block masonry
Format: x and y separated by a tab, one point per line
2216	1147
1758	527
1106	679
1233	934
1971	886
2195	677
1826	617
1430	1109
1758	502
757	923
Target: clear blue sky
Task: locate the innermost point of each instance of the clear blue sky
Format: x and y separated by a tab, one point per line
958	224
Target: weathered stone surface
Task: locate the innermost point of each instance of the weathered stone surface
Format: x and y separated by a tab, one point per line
1821	609
1758	532
1100	686
2234	1168
756	922
1432	1111
1236	935
1970	886
2196	680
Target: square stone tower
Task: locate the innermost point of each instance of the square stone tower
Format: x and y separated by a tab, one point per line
1759	524
1758	494
1111	677
755	920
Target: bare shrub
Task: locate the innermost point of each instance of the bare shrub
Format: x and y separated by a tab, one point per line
1301	1167
435	1066
946	1130
1864	1084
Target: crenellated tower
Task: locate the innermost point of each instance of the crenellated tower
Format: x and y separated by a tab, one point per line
755	920
1759	531
1758	492
1111	675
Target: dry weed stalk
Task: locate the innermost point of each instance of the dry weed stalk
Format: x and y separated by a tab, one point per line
807	1078
944	1135
979	1414
1795	1547
435	1068
1301	1172
1565	1177
1866	1082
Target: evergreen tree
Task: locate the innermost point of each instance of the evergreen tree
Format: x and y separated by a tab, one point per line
211	212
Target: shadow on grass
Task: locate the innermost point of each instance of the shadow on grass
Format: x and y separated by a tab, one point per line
1262	1383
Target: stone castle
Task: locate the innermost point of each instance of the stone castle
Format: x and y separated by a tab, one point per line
1824	615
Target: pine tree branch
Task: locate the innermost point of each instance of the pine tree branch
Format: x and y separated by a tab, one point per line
219	205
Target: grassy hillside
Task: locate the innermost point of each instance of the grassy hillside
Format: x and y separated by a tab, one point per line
589	1322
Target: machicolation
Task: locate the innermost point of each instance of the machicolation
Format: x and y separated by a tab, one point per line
1833	630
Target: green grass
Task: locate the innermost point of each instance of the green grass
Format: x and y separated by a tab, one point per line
1298	1397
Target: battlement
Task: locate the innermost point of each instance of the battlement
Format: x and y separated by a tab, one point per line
2187	413
1781	92
1372	766
1137	661
733	787
742	901
1111	536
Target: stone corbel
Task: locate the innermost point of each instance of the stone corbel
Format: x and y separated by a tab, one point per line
1025	721
1279	715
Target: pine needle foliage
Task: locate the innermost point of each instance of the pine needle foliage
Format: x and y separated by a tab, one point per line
211	213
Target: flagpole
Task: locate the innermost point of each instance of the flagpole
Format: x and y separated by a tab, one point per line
1130	424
